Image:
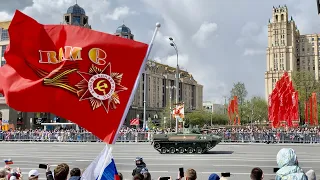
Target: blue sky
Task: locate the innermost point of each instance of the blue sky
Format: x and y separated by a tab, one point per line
220	41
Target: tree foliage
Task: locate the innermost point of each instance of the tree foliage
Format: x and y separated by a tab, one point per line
305	83
165	118
239	90
256	109
203	117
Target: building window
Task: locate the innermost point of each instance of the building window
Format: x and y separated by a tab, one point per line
76	20
3	62
3	49
4	35
312	39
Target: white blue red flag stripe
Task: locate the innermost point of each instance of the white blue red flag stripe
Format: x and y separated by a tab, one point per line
102	168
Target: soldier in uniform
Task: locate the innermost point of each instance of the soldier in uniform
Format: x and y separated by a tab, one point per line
141	167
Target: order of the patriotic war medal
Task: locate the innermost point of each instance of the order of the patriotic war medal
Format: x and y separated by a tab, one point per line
99	86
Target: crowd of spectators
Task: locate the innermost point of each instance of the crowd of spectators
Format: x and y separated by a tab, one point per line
287	161
126	134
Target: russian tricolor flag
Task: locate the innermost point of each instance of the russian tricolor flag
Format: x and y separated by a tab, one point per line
102	168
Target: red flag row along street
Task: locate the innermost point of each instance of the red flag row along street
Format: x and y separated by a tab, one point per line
73	72
233	112
283	106
311	110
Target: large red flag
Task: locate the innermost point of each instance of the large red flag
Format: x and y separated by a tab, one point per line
316	122
310	110
236	110
232	112
270	112
306	112
82	75
229	113
276	105
295	106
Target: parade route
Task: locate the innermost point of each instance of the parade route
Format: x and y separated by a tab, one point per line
237	159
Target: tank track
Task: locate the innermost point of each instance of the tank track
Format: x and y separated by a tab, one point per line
182	147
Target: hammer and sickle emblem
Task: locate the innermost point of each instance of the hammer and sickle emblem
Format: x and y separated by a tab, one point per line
102	87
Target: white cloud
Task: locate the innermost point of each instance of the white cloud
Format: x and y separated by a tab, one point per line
120	12
205	31
254	33
253	52
183	60
5	16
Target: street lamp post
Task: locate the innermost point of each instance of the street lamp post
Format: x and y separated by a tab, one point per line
211	114
170	97
144	97
150	65
173	44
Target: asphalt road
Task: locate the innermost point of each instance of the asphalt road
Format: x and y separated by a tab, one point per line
235	158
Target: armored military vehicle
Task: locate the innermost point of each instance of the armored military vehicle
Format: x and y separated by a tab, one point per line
190	141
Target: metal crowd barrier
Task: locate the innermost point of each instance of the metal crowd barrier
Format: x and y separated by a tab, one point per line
238	137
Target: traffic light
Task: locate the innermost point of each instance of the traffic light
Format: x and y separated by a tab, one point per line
318	6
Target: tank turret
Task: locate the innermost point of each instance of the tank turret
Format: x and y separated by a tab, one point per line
188	140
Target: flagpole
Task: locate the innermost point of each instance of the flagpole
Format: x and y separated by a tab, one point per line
104	163
142	70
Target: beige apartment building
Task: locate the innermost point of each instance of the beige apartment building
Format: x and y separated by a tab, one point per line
4	41
288	50
160	83
161	92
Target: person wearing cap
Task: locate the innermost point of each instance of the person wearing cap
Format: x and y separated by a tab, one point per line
140	166
33	175
214	176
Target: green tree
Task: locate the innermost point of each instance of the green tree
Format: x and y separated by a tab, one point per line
165	118
305	83
246	110
239	90
203	117
260	109
255	109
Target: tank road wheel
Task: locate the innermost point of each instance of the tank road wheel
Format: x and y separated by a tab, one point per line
190	150
163	150
199	150
172	150
180	150
156	145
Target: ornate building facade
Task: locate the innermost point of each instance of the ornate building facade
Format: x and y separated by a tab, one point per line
288	50
160	83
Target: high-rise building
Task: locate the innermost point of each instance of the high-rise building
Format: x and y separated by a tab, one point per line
288	50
